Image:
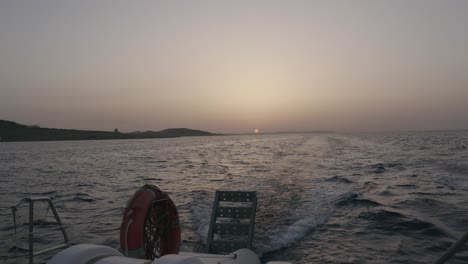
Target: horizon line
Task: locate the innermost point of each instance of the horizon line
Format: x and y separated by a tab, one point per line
264	133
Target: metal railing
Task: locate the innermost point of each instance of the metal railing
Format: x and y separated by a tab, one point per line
458	245
30	233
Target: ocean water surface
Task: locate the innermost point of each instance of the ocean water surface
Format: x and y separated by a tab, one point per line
322	197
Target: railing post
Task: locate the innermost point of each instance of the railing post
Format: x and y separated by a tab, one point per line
453	249
59	222
13	212
31	230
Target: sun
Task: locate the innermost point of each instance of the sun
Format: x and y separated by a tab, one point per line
256	131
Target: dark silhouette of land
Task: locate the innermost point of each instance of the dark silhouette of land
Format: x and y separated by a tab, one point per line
11	131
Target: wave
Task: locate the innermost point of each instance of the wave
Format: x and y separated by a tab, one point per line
359	202
339	179
80	197
394	222
379	168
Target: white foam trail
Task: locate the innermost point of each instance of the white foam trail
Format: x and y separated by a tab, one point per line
318	213
201	214
294	233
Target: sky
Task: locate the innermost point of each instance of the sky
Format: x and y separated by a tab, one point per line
235	66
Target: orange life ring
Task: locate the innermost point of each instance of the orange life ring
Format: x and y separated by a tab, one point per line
150	225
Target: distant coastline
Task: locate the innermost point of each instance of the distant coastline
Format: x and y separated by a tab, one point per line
11	131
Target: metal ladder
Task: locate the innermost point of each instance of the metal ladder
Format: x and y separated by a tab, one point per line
232	221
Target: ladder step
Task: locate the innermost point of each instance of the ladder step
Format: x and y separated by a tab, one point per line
234	212
231	229
230	196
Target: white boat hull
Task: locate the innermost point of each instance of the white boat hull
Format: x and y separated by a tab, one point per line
95	254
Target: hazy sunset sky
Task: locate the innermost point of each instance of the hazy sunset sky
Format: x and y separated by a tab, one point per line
235	66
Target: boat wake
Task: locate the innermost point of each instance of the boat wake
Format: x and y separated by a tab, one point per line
274	231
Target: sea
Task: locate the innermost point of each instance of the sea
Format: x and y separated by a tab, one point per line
399	197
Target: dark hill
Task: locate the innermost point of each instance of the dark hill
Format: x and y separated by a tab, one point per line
169	133
183	132
11	131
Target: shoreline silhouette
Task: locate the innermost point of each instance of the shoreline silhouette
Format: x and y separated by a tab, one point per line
13	132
